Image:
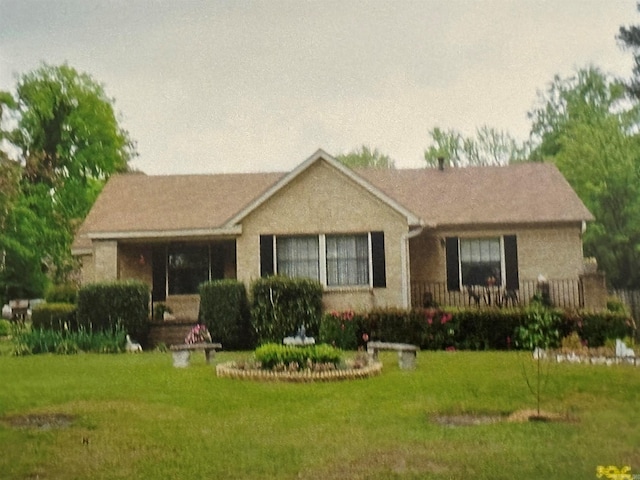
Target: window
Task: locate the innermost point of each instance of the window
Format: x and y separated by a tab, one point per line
471	261
333	260
347	260
188	267
480	259
298	257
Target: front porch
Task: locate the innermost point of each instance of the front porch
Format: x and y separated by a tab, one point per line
563	293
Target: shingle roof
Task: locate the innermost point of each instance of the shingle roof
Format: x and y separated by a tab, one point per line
521	193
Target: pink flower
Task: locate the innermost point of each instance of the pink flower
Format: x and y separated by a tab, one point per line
348	315
430	321
365	337
451	349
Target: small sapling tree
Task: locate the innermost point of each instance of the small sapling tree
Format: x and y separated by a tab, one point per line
539	333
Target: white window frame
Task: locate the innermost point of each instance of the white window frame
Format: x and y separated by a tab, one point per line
502	257
322	256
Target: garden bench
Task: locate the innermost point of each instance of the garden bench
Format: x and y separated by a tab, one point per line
407	353
181	352
19	309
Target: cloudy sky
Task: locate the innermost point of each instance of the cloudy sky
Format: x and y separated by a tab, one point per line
236	86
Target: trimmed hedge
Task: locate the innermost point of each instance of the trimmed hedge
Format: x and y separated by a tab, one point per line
280	306
54	316
271	355
103	306
224	309
63	293
465	328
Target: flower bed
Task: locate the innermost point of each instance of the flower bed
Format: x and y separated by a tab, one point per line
233	370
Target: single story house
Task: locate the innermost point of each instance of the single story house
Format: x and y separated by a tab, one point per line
372	237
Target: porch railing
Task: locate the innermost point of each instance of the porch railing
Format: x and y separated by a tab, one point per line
564	293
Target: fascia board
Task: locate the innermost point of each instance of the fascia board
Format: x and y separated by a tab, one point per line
197	232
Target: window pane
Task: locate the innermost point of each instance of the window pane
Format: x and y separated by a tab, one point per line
298	257
480	259
347	260
188	267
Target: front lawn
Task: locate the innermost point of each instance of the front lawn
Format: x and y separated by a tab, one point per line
135	416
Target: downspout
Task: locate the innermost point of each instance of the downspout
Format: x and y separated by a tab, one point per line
406	266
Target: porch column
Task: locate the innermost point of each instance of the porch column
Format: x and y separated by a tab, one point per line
594	290
105	254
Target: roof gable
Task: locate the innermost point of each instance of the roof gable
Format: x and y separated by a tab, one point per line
323	156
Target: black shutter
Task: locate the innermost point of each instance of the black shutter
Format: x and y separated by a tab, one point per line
512	281
378	260
453	264
159	274
266	255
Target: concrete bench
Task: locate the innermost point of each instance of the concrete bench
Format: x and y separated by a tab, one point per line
407	353
19	309
182	352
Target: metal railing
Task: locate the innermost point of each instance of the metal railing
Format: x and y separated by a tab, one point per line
564	293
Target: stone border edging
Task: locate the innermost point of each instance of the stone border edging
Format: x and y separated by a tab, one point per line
227	370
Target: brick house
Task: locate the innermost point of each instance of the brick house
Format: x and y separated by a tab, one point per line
373	238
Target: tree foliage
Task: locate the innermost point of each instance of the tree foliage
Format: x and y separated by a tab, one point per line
587	127
488	147
60	127
365	157
629	37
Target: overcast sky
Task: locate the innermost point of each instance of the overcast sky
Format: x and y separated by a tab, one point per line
237	86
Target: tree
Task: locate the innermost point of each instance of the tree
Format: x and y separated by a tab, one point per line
365	157
488	147
630	39
65	130
586	126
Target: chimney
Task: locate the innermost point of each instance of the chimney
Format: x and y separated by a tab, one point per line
441	163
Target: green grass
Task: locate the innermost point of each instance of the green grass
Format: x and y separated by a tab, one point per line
146	419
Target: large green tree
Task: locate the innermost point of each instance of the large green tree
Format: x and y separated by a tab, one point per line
587	127
489	146
62	127
630	39
365	157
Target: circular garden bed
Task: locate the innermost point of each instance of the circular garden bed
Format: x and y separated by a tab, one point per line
274	362
233	370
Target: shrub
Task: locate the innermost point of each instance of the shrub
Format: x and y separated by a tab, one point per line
616	305
103	306
272	355
281	305
5	327
470	328
595	328
54	316
62	293
341	329
224	309
39	340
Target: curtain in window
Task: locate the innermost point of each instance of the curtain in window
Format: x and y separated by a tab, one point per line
298	257
347	260
480	259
